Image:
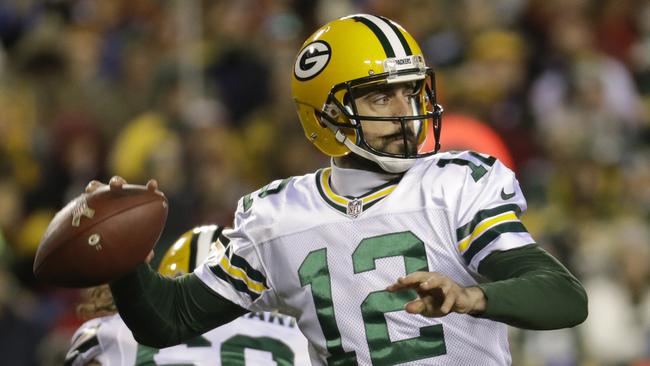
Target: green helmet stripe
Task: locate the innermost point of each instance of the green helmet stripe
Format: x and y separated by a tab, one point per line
192	264
400	36
385	43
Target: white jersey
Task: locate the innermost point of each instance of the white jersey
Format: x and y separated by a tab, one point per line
253	339
326	259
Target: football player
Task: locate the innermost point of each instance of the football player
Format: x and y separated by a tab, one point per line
254	339
394	254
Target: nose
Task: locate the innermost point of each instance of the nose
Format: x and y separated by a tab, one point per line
401	105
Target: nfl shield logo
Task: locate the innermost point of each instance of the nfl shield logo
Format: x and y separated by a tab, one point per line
355	208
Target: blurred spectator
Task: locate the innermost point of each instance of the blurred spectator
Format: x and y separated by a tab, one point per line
20	333
491	84
580	67
617	331
219	157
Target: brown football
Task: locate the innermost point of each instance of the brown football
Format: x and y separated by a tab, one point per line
100	236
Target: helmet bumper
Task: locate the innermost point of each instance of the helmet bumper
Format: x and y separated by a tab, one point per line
318	133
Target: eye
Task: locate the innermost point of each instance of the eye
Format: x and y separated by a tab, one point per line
379	98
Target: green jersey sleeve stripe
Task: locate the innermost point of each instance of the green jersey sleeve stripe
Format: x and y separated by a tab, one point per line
465	230
242	264
80	349
193	250
491	234
69	359
224	240
239	285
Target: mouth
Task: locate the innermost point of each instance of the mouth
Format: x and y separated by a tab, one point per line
394	141
395	137
399	137
397	141
395	144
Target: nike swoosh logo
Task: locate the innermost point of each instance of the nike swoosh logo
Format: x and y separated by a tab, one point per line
506	196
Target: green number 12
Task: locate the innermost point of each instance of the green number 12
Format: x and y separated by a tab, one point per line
315	272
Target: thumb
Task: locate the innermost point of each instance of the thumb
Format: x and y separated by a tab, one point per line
149	257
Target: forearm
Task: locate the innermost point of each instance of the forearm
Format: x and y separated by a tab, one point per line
162	312
531	290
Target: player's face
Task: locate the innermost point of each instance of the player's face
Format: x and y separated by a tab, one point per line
389	101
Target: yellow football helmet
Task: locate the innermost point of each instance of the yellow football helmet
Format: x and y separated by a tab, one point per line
350	55
189	251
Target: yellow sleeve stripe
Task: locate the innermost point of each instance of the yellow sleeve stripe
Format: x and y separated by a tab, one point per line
484	226
241	275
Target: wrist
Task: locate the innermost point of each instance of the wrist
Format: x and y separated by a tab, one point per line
478	300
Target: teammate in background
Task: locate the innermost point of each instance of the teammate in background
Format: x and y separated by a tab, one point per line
395	254
253	339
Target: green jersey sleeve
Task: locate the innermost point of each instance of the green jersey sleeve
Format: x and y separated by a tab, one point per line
530	289
163	312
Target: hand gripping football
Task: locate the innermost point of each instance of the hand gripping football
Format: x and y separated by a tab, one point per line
101	236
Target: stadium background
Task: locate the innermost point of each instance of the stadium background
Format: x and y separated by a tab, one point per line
196	94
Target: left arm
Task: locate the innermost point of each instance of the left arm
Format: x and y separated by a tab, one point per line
529	289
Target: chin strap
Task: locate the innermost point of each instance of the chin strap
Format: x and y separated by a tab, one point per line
388	164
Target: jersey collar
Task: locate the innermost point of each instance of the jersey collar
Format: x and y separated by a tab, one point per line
350	205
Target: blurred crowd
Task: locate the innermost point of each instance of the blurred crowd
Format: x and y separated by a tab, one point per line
196	94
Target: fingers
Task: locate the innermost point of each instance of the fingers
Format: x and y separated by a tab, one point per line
149	257
426	306
411	280
416	306
93	186
444	289
435	280
116	182
420	281
438	295
449	302
152	185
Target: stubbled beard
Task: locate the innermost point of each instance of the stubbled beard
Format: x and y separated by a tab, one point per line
387	143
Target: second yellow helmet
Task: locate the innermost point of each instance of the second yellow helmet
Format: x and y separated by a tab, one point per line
189	251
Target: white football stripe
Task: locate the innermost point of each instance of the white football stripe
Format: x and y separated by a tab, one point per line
389	33
203	245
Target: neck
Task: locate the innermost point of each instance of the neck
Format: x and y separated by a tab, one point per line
354	161
356	180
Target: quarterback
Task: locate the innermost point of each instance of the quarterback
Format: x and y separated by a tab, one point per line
253	339
395	253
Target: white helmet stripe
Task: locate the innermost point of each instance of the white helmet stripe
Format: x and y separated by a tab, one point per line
388	32
206	238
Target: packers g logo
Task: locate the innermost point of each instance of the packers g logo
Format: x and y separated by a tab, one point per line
312	60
